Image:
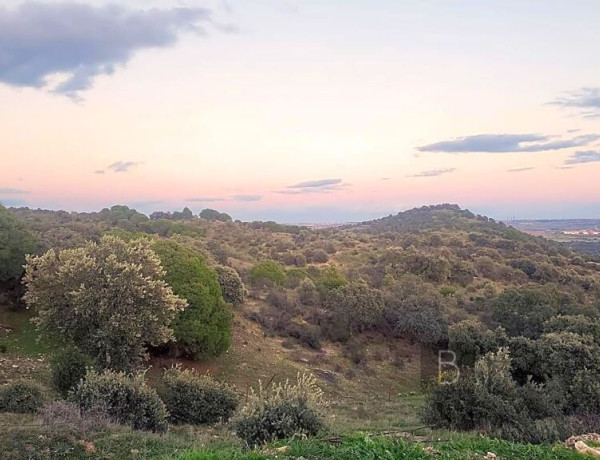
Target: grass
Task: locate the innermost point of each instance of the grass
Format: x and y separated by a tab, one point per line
380	448
24	340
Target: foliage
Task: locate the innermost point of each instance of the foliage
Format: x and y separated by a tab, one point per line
125	398
15	242
355	304
307	292
107	298
232	287
204	328
211	214
22	397
197	399
523	311
416	309
281	411
267	272
69	366
470	339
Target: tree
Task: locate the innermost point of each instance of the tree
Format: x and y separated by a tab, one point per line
15	242
212	214
357	304
107	298
204	327
267	272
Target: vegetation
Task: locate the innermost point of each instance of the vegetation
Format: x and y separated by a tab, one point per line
232	286
22	397
281	411
15	242
125	399
69	367
197	399
204	327
106	298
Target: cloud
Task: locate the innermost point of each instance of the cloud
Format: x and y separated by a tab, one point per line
588	156
386	178
12	191
317	183
433	172
585	100
507	143
99	171
246	197
516	170
80	41
214	199
122	166
564	167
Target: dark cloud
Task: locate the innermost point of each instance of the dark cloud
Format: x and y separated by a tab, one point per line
82	41
12	191
589	156
123	166
585	100
515	170
434	172
317	183
507	143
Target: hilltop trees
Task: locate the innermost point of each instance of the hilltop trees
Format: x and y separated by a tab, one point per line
15	242
204	328
107	298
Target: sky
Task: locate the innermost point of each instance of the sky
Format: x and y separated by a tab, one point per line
302	110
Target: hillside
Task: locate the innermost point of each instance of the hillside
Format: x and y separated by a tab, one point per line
364	307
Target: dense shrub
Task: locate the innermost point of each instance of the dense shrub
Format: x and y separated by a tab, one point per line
470	339
281	411
108	299
355	304
267	272
328	279
16	241
125	399
307	292
416	309
197	399
22	396
232	287
68	368
204	328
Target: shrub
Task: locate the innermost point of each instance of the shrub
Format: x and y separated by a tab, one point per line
232	287
22	397
470	339
267	272
307	292
106	298
125	399
356	304
281	411
68	368
197	399
204	328
61	414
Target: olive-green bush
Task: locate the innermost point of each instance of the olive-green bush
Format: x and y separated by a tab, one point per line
197	399
126	399
22	397
69	366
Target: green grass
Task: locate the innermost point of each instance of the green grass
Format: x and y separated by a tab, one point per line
24	339
376	448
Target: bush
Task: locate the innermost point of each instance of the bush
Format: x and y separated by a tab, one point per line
307	292
356	304
125	399
204	328
68	368
22	397
197	399
232	287
282	411
267	272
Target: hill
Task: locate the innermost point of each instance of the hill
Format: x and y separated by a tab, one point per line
363	307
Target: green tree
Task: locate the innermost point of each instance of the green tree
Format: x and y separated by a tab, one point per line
267	272
204	327
107	298
15	242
